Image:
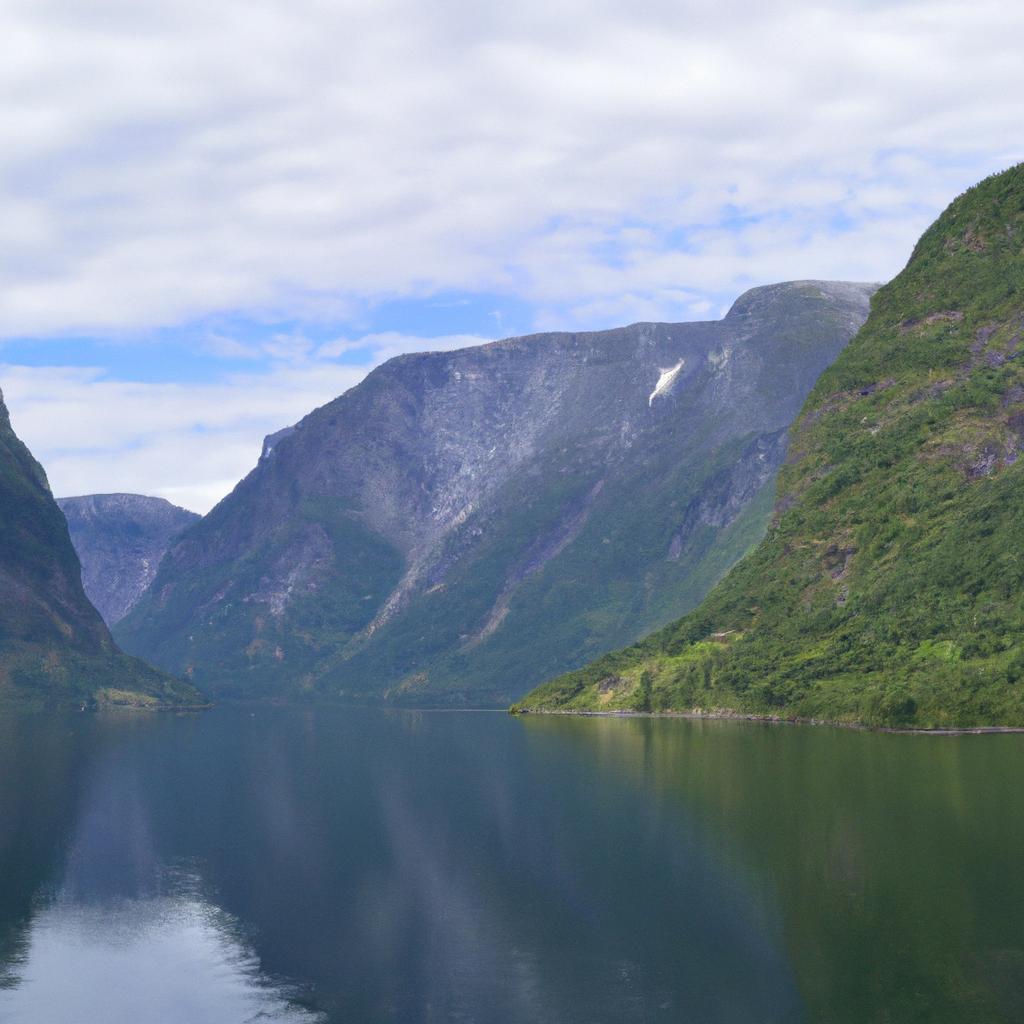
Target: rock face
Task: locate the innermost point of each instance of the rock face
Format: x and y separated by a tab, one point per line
54	648
272	439
462	524
120	539
890	589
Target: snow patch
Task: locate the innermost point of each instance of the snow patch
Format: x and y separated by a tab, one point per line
665	381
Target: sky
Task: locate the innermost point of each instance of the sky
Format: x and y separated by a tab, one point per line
215	217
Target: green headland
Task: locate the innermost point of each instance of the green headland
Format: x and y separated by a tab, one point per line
889	589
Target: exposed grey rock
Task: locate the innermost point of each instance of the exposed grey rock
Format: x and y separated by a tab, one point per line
120	539
463	524
271	440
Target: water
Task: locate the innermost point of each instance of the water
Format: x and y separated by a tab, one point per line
264	864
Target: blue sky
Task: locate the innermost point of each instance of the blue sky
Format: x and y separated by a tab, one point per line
216	217
204	349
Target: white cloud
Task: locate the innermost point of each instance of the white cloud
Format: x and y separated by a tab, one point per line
162	162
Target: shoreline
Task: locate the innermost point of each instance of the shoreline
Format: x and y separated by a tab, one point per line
740	716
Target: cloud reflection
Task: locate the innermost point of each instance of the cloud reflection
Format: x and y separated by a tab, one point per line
123	939
163	960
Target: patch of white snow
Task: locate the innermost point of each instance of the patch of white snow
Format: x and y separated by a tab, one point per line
665	381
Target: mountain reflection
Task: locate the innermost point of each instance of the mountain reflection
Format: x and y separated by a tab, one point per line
348	865
355	865
277	863
894	859
114	935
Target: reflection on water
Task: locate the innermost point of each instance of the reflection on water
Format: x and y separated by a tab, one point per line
160	961
895	860
117	936
353	865
380	866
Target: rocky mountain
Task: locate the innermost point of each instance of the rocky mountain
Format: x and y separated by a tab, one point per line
120	539
462	524
890	588
54	648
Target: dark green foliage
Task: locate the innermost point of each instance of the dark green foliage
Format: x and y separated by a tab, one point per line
54	648
889	591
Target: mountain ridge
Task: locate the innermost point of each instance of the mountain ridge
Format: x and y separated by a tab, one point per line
409	540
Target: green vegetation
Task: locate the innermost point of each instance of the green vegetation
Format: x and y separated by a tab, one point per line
606	587
890	588
244	648
54	648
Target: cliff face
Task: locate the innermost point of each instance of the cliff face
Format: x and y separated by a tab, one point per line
462	524
54	647
120	539
890	589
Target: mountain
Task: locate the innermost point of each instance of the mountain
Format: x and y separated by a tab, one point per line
890	587
120	539
463	524
54	648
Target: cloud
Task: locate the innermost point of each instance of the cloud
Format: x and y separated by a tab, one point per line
165	162
190	443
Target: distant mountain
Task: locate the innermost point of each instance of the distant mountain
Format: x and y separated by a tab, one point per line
120	539
462	524
54	648
890	589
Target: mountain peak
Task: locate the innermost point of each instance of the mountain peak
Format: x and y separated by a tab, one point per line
760	300
120	539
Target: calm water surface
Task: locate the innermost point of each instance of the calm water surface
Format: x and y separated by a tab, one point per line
352	865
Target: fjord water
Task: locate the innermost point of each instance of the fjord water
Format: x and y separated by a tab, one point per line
357	865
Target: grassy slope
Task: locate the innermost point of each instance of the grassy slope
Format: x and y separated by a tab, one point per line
891	588
54	648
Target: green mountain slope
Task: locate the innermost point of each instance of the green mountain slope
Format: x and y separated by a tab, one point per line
890	587
462	525
54	648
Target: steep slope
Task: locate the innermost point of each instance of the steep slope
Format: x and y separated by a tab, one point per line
890	589
54	648
120	539
462	524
